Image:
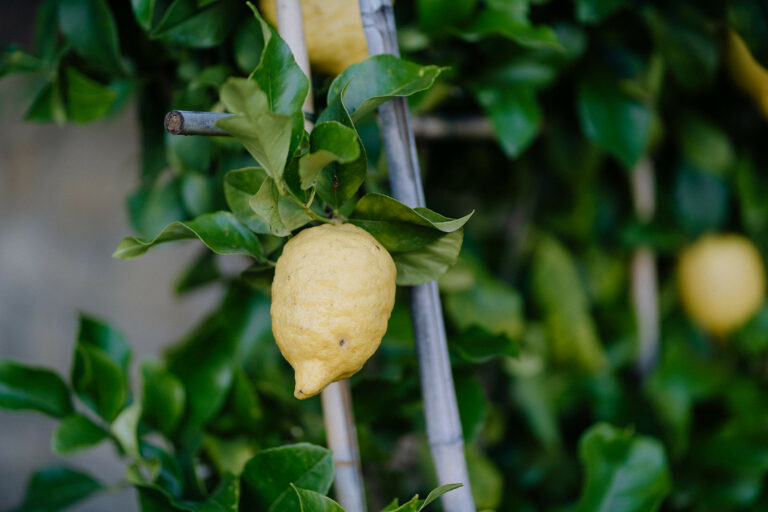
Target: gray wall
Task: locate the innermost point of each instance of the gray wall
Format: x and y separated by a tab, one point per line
62	213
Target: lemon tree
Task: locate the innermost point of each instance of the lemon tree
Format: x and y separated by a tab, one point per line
543	110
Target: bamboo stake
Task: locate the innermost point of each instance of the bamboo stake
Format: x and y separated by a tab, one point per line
644	286
187	122
336	398
440	408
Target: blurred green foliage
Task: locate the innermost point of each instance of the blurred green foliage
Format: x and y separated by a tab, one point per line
540	326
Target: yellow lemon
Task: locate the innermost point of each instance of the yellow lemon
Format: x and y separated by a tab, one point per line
333	293
333	31
722	282
746	72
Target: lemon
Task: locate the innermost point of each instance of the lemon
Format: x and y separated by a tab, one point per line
333	293
722	282
333	31
750	76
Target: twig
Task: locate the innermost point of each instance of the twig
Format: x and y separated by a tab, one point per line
440	408
337	403
185	122
645	293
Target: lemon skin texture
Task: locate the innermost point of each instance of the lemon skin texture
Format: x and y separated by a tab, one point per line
746	72
722	282
333	31
333	293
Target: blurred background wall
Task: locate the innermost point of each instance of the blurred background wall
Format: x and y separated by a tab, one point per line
62	213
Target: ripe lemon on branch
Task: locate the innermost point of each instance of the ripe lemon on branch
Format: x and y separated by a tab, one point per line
333	293
722	282
333	31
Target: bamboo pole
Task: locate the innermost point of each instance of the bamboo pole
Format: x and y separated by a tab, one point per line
440	408
644	285
187	122
336	398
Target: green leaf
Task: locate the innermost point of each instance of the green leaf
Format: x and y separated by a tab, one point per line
277	74
329	142
163	397
705	145
240	185
205	359
15	60
595	11
98	381
417	505
377	79
437	492
99	334
623	471
477	345
269	476
154	206
86	100
473	407
311	501
26	388
701	200
90	26
189	154
612	119
509	18
514	114
561	296
143	11
436	15
242	412
202	271
48	105
265	134
264	205
221	232
748	19
248	45
77	432
423	243
125	429
486	479
56	488
206	26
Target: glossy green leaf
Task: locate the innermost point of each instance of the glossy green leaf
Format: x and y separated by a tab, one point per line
264	205
98	381
277	74
99	334
269	476
486	479
201	272
77	432
87	100
48	105
248	45
56	488
265	134
242	411
370	83
595	11
623	471
125	429
15	60
509	18
612	119
143	11
560	294
186	23
163	397
514	114
205	360
477	345
329	142
239	186
472	403
90	26
417	505
311	501
422	243
36	389
436	15
221	232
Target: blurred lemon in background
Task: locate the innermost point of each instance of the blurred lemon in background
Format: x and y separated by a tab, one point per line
722	282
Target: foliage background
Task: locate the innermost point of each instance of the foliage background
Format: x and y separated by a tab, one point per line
553	200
